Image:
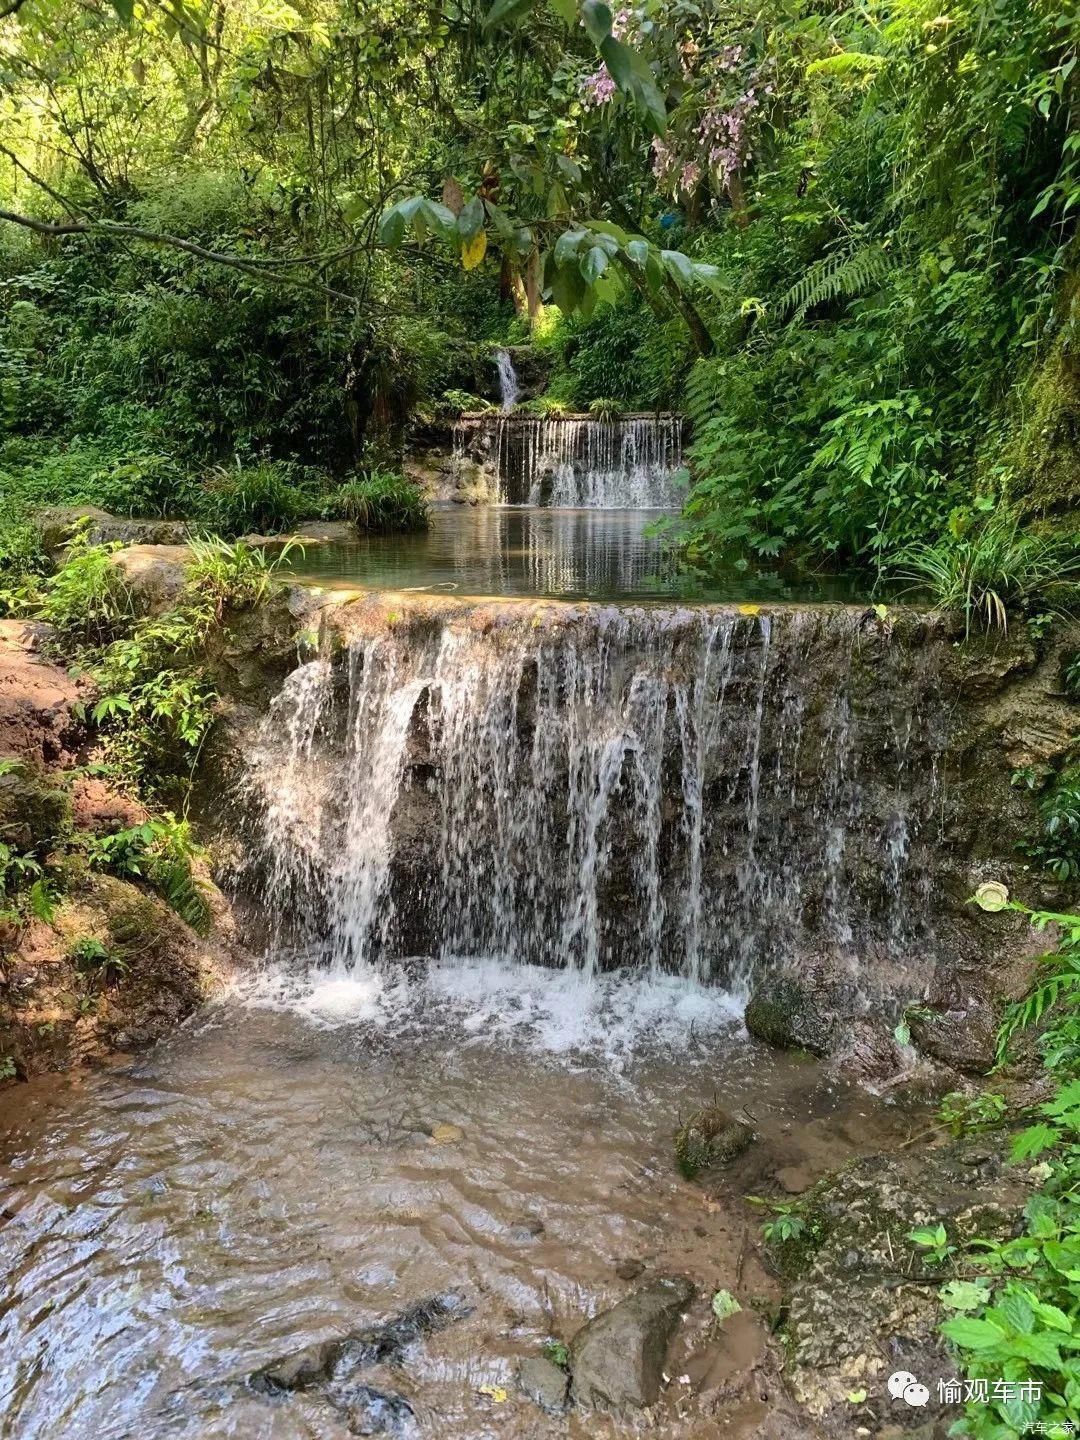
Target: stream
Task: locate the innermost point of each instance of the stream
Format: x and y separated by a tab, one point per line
512	867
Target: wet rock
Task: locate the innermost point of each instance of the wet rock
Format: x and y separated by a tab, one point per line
791	1012
963	1035
544	1383
709	1138
387	1343
310	1366
617	1359
629	1269
376	1412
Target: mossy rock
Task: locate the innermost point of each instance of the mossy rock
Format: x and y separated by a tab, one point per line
710	1138
34	813
791	1014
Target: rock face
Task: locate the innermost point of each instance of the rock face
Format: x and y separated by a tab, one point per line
37	698
154	573
59	524
617	1359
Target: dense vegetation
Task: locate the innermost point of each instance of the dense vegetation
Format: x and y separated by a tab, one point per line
245	237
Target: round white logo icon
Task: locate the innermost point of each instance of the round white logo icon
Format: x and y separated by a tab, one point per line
904	1386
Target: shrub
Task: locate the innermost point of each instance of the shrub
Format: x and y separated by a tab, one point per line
382	500
259	498
87	599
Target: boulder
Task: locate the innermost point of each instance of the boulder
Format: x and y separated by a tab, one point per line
154	574
299	1371
544	1383
617	1359
963	1035
791	1012
59	524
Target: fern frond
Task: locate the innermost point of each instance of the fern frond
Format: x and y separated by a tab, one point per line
843	274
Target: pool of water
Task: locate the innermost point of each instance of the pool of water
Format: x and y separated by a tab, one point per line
566	554
313	1156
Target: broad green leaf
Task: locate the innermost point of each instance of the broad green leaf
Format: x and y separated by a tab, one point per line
1039	1349
1033	1141
678	265
505	12
593	264
125	9
567	287
392	227
724	1304
439	217
566	247
630	71
597	18
637	250
471	219
963	1295
972	1334
566	10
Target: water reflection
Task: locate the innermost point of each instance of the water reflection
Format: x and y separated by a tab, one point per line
562	553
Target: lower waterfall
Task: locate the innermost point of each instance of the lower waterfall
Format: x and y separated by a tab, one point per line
667	791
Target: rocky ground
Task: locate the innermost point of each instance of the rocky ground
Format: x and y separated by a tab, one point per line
61	1001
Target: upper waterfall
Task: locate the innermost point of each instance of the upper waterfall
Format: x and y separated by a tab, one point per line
508	381
628	462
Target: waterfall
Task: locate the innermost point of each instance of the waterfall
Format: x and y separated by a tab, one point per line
508	381
696	792
631	462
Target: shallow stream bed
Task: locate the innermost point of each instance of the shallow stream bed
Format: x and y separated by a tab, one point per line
298	1163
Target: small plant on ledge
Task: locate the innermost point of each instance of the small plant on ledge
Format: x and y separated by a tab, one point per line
604	409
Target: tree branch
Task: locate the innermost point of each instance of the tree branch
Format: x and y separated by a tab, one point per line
268	269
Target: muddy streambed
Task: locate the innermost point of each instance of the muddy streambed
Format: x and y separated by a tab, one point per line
296	1164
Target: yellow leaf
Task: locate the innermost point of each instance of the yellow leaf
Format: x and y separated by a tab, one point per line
474	250
749	609
493	1392
443	1134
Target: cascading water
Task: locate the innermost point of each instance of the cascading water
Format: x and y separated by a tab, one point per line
692	792
508	381
631	462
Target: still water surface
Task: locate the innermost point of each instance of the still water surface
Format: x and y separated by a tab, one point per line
565	554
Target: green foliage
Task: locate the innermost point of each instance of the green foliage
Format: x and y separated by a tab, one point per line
933	1241
95	960
995	570
557	1353
604	409
381	501
161	852
253	499
1019	1313
966	1114
1057	846
87	599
